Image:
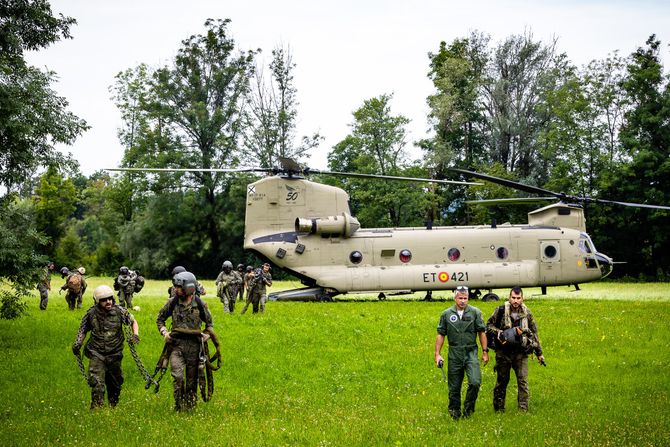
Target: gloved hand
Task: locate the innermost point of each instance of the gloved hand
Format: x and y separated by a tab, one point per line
134	339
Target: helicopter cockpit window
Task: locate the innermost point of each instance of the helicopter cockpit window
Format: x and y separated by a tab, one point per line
405	255
502	253
454	254
585	244
356	257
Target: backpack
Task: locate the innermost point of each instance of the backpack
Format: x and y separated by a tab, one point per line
491	337
74	283
139	283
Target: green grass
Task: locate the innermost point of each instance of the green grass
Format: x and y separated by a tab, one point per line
354	374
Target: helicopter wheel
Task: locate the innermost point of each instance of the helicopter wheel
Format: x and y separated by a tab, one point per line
325	297
475	294
381	296
490	297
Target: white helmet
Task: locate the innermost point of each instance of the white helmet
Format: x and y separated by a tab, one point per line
81	270
102	291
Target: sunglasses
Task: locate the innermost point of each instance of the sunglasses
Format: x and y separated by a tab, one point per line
104	300
462	289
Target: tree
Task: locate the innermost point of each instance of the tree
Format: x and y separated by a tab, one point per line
54	204
32	117
189	115
376	145
32	120
271	115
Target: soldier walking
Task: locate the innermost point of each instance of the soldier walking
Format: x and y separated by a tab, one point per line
227	284
462	324
44	285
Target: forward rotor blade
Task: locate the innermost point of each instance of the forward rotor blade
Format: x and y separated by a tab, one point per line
390	177
189	170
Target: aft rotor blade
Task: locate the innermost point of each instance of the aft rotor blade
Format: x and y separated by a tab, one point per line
391	177
510	201
508	183
636	205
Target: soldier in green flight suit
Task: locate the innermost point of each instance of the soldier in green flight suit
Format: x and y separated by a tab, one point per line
461	325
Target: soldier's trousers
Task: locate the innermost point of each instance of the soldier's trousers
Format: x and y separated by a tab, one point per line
44	297
504	363
71	299
125	299
461	362
228	301
258	301
184	369
105	374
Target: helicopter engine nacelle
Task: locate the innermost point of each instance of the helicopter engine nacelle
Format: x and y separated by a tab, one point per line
344	225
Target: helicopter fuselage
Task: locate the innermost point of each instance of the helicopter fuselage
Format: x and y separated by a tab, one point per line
306	229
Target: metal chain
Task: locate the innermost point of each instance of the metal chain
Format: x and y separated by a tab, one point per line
140	366
81	367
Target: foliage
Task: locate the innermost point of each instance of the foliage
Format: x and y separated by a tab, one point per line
271	115
376	145
12	305
20	243
355	374
32	117
55	199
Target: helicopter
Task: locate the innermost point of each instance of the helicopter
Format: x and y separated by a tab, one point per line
307	229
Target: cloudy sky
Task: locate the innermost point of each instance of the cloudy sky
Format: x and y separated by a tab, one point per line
346	51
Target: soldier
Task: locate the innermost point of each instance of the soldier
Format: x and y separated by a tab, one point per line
125	284
227	284
104	348
513	335
188	313
260	279
180	269
247	278
44	285
461	325
75	284
240	289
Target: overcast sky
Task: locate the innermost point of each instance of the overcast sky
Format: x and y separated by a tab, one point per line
345	51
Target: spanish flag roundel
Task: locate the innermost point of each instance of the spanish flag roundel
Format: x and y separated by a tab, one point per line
443	276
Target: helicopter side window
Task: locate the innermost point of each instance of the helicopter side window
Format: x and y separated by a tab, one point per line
454	254
502	253
405	255
585	244
356	257
550	251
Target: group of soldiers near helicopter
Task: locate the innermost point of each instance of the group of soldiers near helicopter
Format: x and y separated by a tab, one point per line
231	285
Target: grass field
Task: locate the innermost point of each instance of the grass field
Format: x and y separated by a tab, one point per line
355	374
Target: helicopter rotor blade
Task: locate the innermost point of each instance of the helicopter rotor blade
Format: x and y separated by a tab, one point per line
510	201
390	177
190	169
561	196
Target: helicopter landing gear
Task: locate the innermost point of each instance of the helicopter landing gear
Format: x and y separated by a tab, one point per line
325	297
381	296
490	297
429	295
475	294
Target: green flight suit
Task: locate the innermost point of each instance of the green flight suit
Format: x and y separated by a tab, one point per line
461	334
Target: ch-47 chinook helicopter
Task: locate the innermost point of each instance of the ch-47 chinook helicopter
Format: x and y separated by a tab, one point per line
306	228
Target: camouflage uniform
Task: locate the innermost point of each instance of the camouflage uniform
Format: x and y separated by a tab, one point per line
104	348
513	355
240	289
125	284
227	287
74	298
461	333
186	349
257	289
44	285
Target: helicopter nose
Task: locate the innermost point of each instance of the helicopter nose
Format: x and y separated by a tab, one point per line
605	263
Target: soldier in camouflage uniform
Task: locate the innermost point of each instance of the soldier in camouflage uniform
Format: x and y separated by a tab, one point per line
513	333
44	285
125	284
75	296
171	291
227	284
104	320
257	287
188	313
461	325
240	289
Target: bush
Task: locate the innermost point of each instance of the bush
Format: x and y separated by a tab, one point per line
12	305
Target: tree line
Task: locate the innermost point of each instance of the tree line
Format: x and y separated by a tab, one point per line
517	109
